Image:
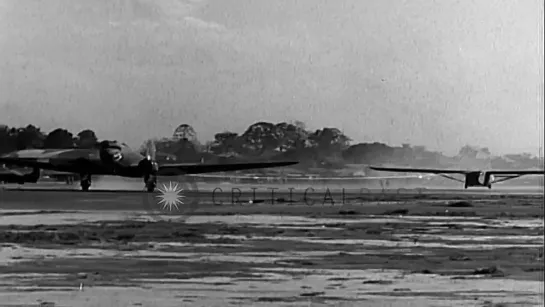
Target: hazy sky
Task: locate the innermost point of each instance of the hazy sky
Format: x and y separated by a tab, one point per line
438	73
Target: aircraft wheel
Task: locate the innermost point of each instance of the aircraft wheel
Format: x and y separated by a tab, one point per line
151	183
150	187
85	185
489	186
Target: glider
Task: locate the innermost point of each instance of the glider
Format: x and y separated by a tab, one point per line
473	178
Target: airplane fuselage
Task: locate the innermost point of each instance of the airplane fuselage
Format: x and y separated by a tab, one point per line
478	179
87	168
112	158
79	161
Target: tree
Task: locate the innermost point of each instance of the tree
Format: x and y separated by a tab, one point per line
163	145
329	140
419	150
485	151
182	150
226	143
260	138
59	138
7	139
185	131
147	146
299	124
369	153
468	152
29	137
86	139
186	150
291	136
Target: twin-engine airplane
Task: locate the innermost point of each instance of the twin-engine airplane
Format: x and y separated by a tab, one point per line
472	178
112	158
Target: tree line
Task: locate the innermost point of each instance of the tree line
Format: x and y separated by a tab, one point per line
326	148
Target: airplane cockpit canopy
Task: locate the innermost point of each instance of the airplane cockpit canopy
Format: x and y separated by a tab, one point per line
109	144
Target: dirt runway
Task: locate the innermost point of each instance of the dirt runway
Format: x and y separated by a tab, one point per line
345	248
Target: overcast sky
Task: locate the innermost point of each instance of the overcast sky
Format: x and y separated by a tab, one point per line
437	73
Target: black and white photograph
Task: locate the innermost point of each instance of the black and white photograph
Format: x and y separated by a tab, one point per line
213	153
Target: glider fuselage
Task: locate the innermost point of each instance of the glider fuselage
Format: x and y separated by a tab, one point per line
479	179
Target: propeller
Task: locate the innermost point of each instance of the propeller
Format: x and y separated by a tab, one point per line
149	165
151	151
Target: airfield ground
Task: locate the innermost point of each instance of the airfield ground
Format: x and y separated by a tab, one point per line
376	248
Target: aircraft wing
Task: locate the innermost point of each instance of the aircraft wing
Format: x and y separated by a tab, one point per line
55	173
419	170
515	172
175	169
44	158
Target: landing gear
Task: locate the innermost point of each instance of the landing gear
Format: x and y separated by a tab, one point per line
151	183
69	180
85	182
489	186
